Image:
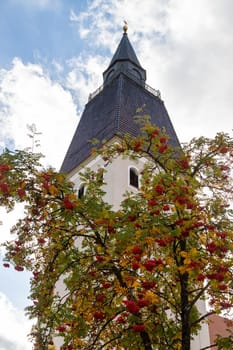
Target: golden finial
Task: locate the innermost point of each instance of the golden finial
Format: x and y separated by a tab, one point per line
125	26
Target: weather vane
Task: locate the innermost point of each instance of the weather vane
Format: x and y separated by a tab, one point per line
125	27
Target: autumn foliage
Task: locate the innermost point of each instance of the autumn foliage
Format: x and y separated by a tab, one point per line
132	277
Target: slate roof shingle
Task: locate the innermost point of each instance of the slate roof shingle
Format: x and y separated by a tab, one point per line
111	112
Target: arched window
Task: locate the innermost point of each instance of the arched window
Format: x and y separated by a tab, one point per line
81	191
133	177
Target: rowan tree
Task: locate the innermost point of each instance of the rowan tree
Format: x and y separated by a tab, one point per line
131	277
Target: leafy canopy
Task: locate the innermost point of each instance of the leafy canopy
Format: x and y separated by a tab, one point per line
131	277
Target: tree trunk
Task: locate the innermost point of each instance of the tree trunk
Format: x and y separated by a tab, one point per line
146	341
185	313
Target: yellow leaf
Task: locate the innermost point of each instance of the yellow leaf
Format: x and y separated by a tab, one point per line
182	269
151	297
59	178
78	342
193	252
160	267
183	254
22	184
150	241
169	261
51	347
136	284
53	190
155	230
187	261
138	233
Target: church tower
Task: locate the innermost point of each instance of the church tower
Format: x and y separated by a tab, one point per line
109	112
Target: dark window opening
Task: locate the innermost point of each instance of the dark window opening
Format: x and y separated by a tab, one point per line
133	177
81	191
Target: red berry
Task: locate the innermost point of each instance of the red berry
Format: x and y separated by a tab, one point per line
19	268
131	217
139	328
182	200
68	204
137	249
21	192
163	139
150	265
142	303
211	247
137	257
200	277
148	284
225	304
61	328
99	258
224	167
216	276
190	205
131	306
166	207
159	189
224	150
154	133
163	148
4	188
222	286
6	265
121	320
135	265
183	163
98	315
221	234
137	146
41	240
100	298
106	285
161	242
152	202
4	168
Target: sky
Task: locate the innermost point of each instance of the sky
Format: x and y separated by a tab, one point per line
52	55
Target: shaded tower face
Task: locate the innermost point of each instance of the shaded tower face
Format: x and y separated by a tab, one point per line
111	109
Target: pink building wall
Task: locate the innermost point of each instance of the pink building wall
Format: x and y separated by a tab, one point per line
219	326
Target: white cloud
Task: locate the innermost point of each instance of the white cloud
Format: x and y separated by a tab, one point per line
14	327
85	76
186	48
27	96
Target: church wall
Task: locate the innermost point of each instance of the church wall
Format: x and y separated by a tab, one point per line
116	177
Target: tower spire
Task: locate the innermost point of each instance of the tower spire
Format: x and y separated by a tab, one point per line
125	61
